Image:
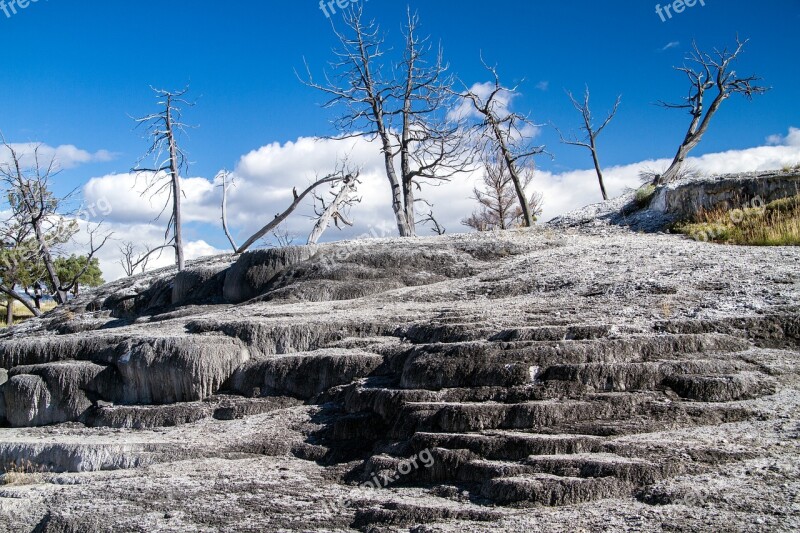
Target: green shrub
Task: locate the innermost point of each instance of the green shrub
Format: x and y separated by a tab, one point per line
644	195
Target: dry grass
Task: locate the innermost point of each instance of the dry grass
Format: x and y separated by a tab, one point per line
776	224
21	313
23	473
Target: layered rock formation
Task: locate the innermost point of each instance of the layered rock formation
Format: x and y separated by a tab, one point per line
539	380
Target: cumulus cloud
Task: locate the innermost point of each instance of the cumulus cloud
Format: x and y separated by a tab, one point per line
466	109
264	179
790	139
65	156
129	200
566	191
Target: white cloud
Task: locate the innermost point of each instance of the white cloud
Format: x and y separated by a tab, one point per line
65	156
543	85
466	108
130	202
566	191
790	139
670	45
143	236
265	177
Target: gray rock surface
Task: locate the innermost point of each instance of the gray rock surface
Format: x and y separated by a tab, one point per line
683	199
546	380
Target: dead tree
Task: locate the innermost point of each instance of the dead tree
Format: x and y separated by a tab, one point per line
131	261
170	160
404	106
503	131
499	206
707	71
282	237
33	205
280	217
226	183
335	210
589	141
436	227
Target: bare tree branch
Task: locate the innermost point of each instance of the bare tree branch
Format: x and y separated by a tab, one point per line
504	132
280	217
336	210
589	140
223	176
709	71
404	108
162	129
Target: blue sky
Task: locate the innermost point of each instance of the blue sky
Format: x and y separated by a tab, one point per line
74	71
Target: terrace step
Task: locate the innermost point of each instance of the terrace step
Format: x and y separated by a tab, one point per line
478	364
549	490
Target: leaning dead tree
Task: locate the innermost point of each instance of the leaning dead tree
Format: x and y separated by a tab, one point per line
706	72
297	199
33	205
591	132
508	134
404	106
170	160
497	198
336	209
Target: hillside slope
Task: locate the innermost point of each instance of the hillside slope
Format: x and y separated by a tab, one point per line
544	380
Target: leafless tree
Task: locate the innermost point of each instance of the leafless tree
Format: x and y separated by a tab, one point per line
507	133
499	205
170	160
707	71
131	260
436	227
589	140
281	217
226	182
335	210
33	205
404	106
282	237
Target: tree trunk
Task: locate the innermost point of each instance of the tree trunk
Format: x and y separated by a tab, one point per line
697	129
14	295
325	219
283	216
176	190
512	170
403	228
9	312
674	169
59	294
523	200
599	173
408	201
405	143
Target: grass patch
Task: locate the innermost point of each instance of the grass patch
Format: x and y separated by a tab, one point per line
23	473
644	195
776	224
21	313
